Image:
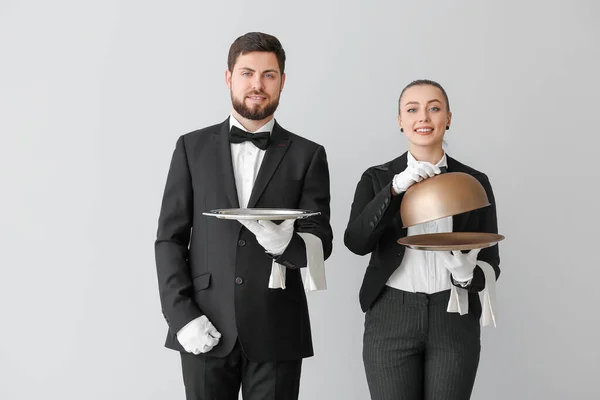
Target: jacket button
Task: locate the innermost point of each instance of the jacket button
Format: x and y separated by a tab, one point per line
239	280
372	224
241	242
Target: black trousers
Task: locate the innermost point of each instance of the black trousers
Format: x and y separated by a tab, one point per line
413	349
216	378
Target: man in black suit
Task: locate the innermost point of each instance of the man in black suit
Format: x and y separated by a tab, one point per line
233	323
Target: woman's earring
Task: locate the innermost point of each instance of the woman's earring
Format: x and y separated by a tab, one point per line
447	127
401	129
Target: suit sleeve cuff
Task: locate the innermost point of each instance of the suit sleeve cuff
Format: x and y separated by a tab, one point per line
475	284
294	255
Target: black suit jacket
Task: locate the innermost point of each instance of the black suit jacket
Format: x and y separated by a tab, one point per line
214	267
375	226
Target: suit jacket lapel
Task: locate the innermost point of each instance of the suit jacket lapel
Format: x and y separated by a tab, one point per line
280	142
226	165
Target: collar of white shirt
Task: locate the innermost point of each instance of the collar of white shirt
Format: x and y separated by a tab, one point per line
442	163
268	127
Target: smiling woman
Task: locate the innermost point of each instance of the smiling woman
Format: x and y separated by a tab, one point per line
424	110
414	348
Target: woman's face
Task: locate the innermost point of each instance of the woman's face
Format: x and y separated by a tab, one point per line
424	115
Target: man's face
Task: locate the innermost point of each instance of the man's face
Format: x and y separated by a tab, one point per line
255	85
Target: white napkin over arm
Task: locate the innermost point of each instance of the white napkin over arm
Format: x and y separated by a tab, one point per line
488	294
459	297
314	276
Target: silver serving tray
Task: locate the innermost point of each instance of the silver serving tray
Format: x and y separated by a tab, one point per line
272	214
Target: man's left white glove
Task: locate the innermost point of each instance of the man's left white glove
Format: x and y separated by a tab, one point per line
272	237
459	264
198	336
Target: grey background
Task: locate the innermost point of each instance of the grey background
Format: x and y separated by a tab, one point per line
93	95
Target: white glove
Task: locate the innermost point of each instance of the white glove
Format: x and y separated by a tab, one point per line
413	174
198	336
274	238
460	265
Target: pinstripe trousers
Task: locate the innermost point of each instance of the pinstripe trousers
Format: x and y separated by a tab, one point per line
413	349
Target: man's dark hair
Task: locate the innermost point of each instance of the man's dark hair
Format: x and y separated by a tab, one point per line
256	41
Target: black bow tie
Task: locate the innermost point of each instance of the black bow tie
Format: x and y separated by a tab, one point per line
260	139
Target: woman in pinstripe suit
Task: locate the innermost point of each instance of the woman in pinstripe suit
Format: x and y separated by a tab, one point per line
414	348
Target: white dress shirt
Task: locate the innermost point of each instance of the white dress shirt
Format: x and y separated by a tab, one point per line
423	271
246	159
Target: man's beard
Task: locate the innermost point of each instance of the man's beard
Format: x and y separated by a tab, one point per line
254	113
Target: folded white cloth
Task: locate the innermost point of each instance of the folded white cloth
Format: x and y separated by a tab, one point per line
459	298
314	276
488	315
